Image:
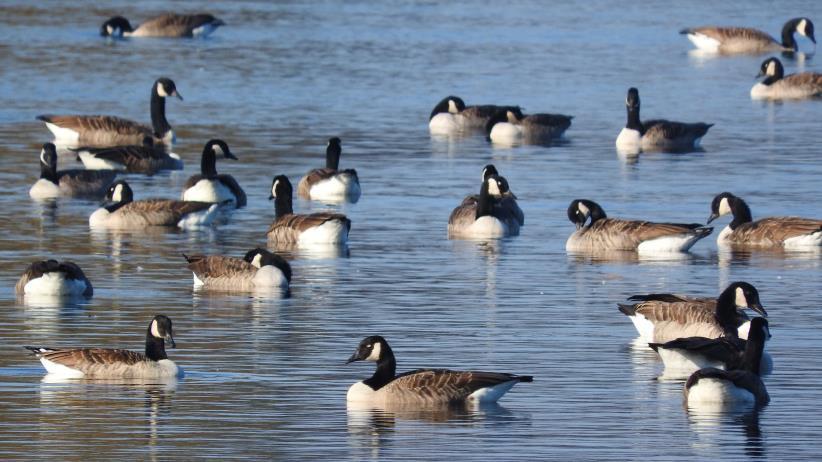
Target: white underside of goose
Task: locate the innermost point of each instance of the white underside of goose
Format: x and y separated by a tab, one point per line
63	135
203	31
61	370
55	283
486	227
804	241
646	328
710	390
491	394
330	232
704	43
680	243
199	219
777	90
445	123
44	189
92	162
629	141
338	187
209	191
102	218
505	133
360	392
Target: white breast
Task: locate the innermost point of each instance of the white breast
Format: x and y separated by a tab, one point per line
330	232
629	141
760	91
445	123
723	236
44	189
55	283
718	391
505	133
208	191
486	227
337	187
99	218
360	392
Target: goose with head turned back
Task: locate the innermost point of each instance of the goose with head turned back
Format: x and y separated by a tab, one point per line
50	277
146	158
315	228
738	40
55	183
165	25
486	218
115	363
210	186
511	126
258	268
451	115
787	232
424	386
330	183
777	85
99	130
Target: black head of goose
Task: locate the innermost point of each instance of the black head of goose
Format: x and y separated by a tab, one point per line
787	232
315	228
607	234
50	277
146	158
660	318
210	186
165	25
741	385
657	134
54	183
101	130
115	363
740	40
511	125
684	356
258	268
487	216
121	211
330	183
423	386
777	85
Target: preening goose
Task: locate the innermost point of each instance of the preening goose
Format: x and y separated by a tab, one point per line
54	183
684	356
451	115
122	212
512	126
50	277
330	183
788	232
658	134
733	40
605	234
258	268
315	228
100	130
777	85
486	217
111	363
165	25
145	158
210	186
424	386
660	318
738	386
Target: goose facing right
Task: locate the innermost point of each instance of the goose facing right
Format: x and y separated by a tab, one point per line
423	386
115	363
738	40
606	234
165	25
210	186
451	115
777	85
258	268
145	158
55	183
657	134
660	318
787	232
512	126
50	277
330	183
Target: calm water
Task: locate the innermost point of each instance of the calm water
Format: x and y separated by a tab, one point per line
265	376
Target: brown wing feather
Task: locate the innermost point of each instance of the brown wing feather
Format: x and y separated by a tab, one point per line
679	312
463	215
444	385
311	178
775	230
219	266
82	357
173	25
83	123
159	212
724	34
628	234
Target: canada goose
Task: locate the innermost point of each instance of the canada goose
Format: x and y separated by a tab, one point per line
316	228
424	386
451	115
788	232
511	125
684	356
603	233
732	40
123	212
507	201
486	217
209	186
111	363
779	86
54	183
165	25
658	134
330	183
258	268
99	130
50	277
145	158
738	386
660	318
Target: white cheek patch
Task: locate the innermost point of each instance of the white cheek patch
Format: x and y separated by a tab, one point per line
274	188
724	206
43	156
161	90
218	151
257	261
452	107
375	352
118	193
511	117
493	187
771	69
155	330
585	210
802	27
740	297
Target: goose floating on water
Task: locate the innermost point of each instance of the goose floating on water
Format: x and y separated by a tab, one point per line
55	183
512	126
165	25
736	40
489	216
210	186
258	268
451	115
330	183
146	158
777	85
315	228
51	277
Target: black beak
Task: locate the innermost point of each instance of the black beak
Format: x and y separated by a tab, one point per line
712	217
759	309
229	155
170	339
354	357
760	74
813	39
271	197
178	95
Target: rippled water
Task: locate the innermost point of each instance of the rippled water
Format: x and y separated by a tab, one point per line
265	376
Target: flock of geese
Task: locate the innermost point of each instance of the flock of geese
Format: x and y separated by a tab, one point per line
710	341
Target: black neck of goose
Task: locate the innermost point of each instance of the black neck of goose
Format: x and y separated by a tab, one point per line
332	157
47	172
596	212
788	40
752	357
726	313
386	369
741	212
485	204
633	119
282	204
158	114
155	347
208	163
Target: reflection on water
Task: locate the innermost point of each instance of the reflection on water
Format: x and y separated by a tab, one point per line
715	425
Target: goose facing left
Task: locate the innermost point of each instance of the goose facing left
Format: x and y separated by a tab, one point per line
115	363
258	268
330	183
210	186
50	277
165	25
121	211
777	85
606	234
55	183
424	386
102	130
